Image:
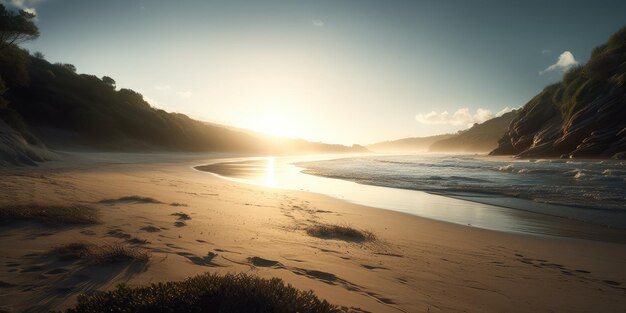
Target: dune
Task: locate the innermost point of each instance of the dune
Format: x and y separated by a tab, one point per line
168	222
16	150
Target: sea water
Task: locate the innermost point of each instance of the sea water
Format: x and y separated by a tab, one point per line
593	184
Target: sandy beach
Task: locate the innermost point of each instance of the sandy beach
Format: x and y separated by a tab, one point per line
414	264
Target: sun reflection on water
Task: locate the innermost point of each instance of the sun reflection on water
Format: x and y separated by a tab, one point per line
270	173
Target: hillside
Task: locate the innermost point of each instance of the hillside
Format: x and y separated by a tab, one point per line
61	109
413	144
582	116
480	138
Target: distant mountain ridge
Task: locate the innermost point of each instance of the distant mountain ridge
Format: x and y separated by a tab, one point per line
480	138
412	144
583	116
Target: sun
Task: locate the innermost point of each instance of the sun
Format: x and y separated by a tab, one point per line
276	125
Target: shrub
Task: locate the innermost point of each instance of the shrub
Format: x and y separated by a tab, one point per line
182	216
207	293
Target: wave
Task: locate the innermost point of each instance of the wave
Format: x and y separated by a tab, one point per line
583	184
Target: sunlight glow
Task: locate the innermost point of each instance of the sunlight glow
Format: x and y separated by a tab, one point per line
276	125
270	178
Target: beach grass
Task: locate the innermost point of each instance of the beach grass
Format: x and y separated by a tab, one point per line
101	254
49	214
131	199
341	232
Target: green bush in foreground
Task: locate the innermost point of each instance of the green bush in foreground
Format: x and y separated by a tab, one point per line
206	293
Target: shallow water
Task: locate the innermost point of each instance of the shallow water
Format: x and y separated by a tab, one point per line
394	183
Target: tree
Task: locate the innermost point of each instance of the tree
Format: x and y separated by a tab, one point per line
109	81
39	55
16	28
67	66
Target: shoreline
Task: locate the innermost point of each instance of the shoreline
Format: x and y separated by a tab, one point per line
415	265
536	218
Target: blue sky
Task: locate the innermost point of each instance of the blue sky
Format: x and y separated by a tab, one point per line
334	71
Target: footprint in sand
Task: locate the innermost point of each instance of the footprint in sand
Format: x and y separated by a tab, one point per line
182	217
118	233
204	261
151	229
373	267
611	282
228	251
34	268
325	276
261	262
173	246
403	280
390	254
137	241
56	271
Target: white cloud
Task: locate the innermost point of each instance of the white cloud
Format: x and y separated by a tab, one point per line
482	115
546	51
503	111
185	94
462	117
318	23
565	61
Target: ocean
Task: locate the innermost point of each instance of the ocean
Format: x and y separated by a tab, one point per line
568	198
588	184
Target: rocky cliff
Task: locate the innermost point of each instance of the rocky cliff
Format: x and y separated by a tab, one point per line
583	116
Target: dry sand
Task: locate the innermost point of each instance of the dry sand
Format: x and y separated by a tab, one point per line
415	265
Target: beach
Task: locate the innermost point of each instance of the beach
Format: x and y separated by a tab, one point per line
414	264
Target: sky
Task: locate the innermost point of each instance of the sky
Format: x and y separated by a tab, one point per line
333	71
